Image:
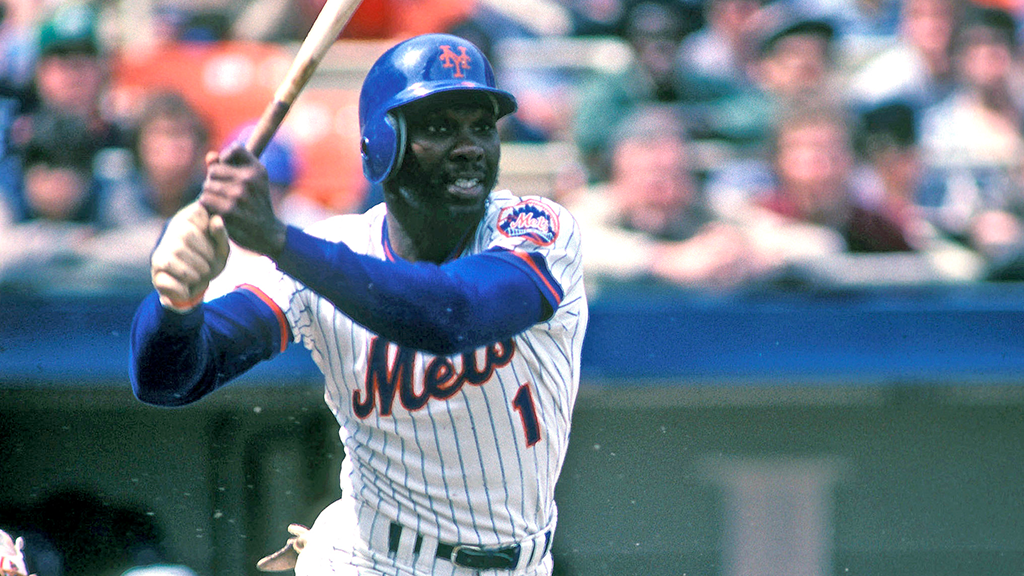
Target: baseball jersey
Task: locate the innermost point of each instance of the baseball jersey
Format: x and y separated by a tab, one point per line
464	448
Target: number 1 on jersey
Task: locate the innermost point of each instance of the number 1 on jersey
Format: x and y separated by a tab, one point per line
523	403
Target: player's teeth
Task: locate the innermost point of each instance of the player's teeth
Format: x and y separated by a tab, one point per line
466	182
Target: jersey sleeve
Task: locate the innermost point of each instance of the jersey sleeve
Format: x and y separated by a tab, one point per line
259	277
542	239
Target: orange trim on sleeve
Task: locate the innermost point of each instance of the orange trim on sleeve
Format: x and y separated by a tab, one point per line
533	266
281	321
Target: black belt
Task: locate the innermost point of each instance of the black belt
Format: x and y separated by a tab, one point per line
476	557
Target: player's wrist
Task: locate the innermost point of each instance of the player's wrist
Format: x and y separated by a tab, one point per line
296	245
182	306
278	240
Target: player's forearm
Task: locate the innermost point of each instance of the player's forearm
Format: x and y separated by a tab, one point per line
177	358
440	309
168	358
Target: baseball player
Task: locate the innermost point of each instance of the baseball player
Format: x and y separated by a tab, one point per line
448	322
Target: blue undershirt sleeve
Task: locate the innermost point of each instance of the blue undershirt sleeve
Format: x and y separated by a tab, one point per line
176	359
442	309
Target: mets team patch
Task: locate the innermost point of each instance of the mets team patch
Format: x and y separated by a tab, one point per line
529	219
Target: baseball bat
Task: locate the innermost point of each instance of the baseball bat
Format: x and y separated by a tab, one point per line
322	35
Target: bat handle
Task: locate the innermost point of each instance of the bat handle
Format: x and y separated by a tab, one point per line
267	126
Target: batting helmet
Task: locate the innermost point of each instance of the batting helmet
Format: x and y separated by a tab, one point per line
413	69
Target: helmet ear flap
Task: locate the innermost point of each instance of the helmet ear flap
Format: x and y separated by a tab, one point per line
397	120
383	146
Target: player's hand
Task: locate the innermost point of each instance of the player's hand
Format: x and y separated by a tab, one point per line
237	188
286	558
191	253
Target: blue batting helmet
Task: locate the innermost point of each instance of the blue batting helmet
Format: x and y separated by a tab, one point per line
416	68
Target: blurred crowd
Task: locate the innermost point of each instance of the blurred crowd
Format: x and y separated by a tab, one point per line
744	143
806	143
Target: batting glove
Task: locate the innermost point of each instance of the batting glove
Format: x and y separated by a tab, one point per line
191	253
285	558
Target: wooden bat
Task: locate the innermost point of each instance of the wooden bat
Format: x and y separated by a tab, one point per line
322	35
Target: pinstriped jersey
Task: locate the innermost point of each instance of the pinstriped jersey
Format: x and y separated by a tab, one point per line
465	448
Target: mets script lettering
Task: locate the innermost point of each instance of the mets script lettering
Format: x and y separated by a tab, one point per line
530	221
442	378
458	61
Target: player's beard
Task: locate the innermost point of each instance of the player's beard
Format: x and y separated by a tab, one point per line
420	200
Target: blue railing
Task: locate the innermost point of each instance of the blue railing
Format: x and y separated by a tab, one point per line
932	336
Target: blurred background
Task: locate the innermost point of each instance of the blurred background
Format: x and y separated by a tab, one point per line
803	229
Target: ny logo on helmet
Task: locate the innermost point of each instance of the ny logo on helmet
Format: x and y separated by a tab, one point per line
458	61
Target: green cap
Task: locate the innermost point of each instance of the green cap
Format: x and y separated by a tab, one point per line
70	30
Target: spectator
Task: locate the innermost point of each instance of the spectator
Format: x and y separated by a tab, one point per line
918	66
18	53
892	179
72	77
648	222
18	50
972	138
596	17
56	163
979	123
62	239
72	73
794	64
813	227
891	176
813	160
714	60
654	30
168	146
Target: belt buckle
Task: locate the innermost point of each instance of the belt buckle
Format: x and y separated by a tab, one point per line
483	558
